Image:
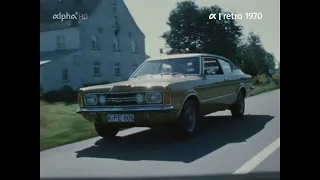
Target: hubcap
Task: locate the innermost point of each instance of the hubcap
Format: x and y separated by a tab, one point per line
190	119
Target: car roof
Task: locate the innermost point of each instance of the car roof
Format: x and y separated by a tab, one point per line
177	56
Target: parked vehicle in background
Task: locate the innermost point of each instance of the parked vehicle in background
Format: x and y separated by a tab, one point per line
174	90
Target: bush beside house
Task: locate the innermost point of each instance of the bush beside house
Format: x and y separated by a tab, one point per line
65	94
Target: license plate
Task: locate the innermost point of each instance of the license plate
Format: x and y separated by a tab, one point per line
120	117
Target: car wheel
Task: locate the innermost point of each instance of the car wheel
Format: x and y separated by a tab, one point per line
106	131
189	119
238	108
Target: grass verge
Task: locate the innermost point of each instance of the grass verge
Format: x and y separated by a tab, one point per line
264	88
59	124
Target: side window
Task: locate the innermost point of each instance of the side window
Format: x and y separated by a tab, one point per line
65	75
211	66
95	43
96	69
61	44
226	66
134	46
116	44
117	70
134	66
234	67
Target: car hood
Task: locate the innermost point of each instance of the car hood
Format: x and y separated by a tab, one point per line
157	82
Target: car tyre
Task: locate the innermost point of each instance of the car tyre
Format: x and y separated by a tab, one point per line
238	108
106	131
188	119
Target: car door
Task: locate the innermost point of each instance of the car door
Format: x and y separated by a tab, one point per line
231	82
214	92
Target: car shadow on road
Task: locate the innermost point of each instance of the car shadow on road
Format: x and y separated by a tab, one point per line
160	145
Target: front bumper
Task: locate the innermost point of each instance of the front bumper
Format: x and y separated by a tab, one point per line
144	116
125	109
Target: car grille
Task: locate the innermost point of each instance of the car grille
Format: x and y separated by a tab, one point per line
119	99
123	99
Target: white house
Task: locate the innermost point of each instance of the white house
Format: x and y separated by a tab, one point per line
87	41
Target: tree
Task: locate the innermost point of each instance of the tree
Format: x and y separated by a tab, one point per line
253	57
270	61
191	31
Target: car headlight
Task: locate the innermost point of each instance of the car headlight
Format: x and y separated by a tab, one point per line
102	99
91	99
153	97
139	98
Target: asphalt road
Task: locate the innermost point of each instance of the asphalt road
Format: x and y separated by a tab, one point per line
225	146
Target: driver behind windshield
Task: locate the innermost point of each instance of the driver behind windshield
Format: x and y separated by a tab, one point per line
166	68
187	66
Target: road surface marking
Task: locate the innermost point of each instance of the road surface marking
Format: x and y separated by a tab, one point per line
257	159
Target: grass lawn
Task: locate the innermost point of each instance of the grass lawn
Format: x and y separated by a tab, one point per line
59	124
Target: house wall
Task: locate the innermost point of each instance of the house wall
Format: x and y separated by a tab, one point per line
48	39
81	65
103	18
52	73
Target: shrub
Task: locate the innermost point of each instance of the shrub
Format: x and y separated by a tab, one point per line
276	79
65	94
261	79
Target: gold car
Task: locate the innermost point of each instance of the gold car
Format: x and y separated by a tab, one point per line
169	90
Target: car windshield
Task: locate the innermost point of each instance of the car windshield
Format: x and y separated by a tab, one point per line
185	66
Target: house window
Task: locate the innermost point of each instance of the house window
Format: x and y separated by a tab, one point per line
100	30
134	46
134	66
114	2
65	76
129	34
95	42
96	69
116	44
115	22
61	42
115	26
117	69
